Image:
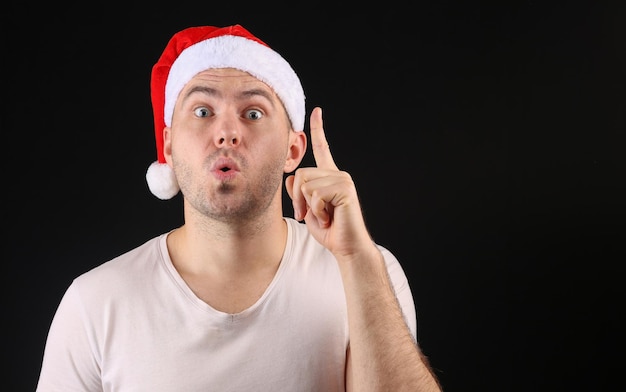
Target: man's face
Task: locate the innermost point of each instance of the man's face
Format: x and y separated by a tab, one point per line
229	144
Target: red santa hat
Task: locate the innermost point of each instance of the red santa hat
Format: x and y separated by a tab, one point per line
196	49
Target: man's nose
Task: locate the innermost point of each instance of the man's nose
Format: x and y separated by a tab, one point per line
228	134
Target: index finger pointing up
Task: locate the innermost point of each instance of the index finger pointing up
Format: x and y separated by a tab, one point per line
321	150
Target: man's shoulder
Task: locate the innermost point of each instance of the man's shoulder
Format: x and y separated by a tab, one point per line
301	238
128	263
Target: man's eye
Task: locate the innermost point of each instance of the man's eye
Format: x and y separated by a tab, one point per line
202	112
254	114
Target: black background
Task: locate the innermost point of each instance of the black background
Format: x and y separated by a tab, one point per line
487	142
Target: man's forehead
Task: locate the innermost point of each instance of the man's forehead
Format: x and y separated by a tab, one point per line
221	83
228	73
228	78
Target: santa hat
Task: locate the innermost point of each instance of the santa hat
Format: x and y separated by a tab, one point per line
196	49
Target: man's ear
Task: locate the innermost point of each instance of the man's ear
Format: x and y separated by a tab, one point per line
167	145
297	149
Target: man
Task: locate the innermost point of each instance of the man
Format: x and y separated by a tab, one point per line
240	298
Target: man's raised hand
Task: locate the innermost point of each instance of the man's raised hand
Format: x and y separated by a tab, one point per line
325	197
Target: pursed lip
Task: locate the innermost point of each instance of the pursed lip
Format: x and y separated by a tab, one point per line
225	168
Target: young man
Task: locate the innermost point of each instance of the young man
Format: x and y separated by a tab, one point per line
240	298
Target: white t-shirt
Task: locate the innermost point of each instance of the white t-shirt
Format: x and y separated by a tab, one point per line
132	324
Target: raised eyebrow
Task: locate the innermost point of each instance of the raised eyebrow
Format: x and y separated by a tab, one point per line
242	95
257	92
202	89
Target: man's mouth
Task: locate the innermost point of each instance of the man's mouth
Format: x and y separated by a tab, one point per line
225	168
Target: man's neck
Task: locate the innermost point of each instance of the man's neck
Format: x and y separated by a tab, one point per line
226	248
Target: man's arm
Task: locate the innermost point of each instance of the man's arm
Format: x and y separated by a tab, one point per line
68	361
383	356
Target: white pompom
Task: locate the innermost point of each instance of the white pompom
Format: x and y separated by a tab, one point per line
162	181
